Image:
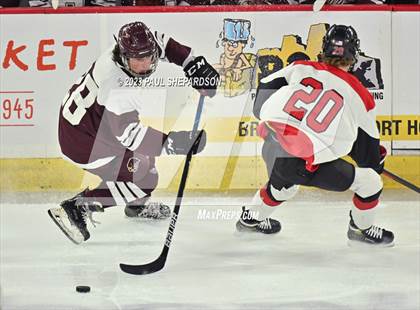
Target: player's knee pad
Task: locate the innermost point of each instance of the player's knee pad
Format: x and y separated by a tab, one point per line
367	183
284	193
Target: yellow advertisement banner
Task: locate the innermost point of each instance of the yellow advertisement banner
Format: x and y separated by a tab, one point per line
397	128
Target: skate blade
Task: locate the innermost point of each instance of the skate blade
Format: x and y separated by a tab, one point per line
363	245
241	228
149	215
145	218
58	221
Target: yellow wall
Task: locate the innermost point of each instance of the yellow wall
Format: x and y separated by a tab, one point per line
206	173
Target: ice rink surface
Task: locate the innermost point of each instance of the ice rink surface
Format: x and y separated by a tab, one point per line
308	265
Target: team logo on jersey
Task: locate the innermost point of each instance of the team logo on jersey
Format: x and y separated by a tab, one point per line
240	71
133	164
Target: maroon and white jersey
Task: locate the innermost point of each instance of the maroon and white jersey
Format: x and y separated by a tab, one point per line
100	117
316	110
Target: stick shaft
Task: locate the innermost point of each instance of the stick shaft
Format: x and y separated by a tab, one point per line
402	181
159	263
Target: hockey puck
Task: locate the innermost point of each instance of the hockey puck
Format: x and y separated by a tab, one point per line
82	289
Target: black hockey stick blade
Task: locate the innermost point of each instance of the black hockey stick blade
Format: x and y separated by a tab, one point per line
400	180
143	269
151	267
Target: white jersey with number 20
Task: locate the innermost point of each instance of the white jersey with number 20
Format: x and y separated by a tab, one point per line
316	116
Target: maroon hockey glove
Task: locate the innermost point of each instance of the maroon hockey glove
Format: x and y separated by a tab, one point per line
203	76
382	153
181	142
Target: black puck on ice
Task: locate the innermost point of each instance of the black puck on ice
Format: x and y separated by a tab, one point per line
83	289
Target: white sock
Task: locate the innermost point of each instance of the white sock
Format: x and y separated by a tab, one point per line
363	218
260	209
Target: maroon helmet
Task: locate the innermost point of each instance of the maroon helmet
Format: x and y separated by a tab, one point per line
135	40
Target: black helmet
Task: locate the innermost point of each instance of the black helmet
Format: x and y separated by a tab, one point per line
135	40
341	41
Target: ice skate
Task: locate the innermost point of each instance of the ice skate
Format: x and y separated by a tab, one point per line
247	223
152	210
374	235
71	218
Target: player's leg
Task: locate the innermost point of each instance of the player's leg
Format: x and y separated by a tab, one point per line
366	184
132	187
337	175
367	187
126	180
256	216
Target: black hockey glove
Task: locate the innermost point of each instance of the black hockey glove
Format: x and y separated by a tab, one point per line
203	76
382	152
181	142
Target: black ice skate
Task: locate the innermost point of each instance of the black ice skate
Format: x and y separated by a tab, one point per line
152	210
374	235
71	217
247	223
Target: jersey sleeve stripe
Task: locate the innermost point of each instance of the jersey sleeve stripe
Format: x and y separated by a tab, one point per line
138	138
127	133
132	136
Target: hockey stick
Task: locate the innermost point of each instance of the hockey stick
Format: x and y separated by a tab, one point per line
317	6
401	181
159	263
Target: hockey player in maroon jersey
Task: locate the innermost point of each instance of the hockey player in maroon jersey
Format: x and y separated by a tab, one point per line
312	114
100	128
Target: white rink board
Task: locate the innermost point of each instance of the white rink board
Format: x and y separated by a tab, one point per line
50	86
406	61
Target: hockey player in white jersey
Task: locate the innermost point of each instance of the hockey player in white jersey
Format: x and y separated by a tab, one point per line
101	129
312	114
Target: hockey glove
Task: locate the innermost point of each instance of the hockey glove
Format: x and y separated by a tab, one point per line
181	142
203	76
382	153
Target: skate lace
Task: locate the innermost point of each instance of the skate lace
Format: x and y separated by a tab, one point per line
265	224
152	209
87	213
375	232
